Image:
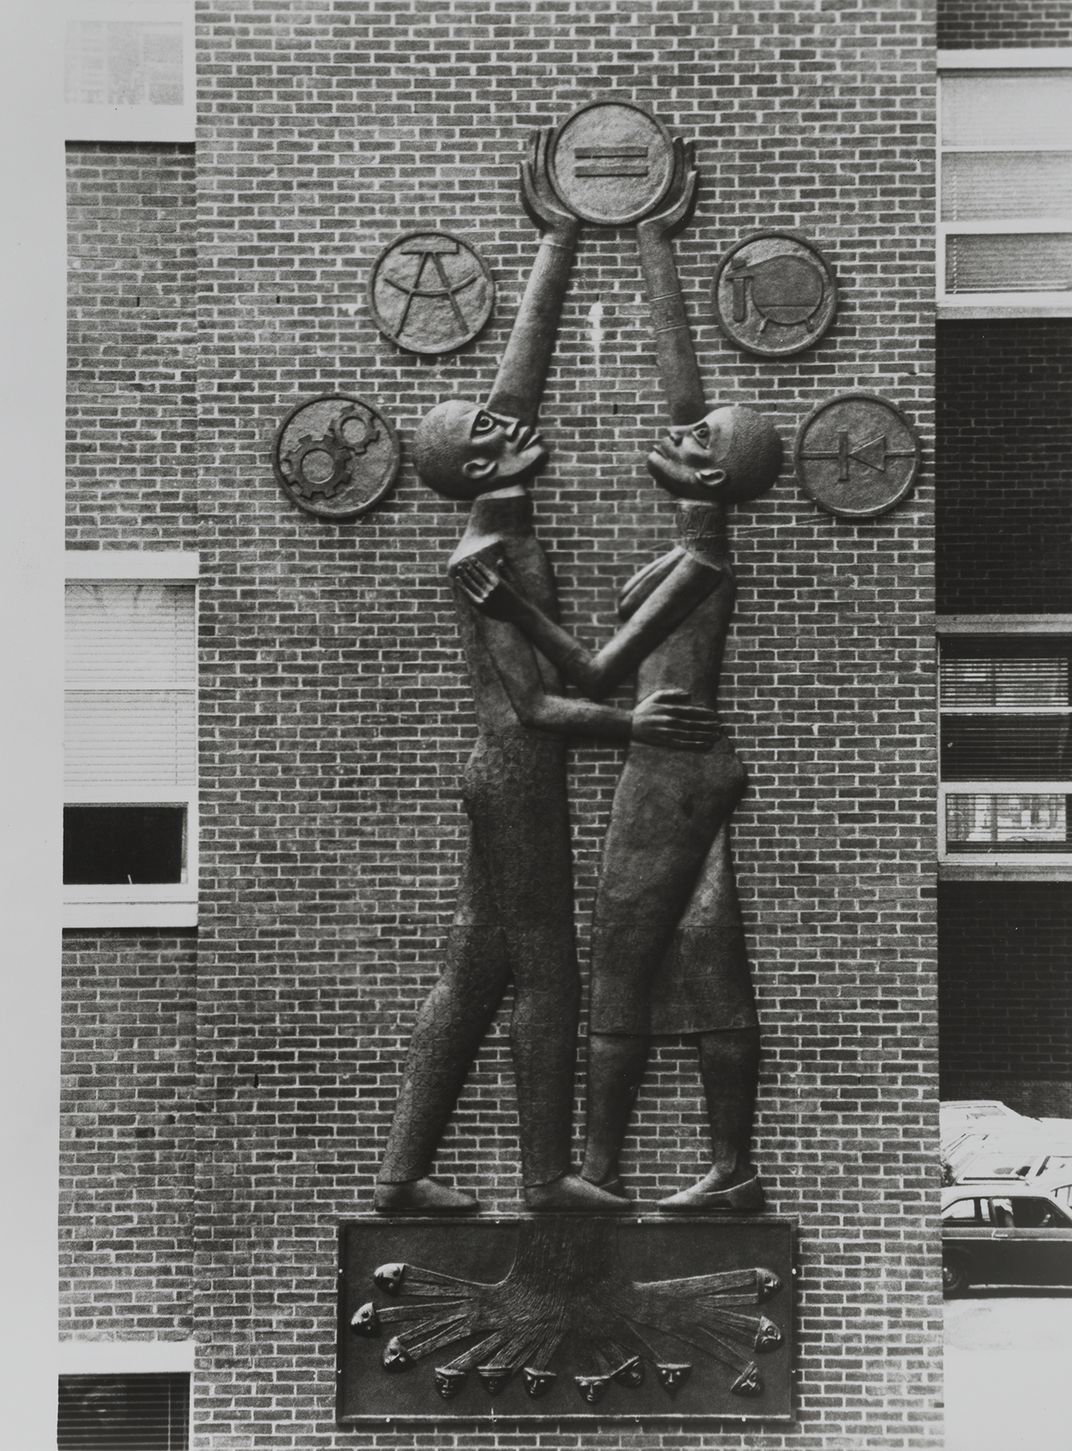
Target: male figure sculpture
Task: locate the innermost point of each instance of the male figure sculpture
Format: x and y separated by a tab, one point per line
514	917
668	949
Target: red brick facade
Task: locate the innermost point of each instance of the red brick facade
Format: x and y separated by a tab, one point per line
131	347
126	1188
988	24
334	711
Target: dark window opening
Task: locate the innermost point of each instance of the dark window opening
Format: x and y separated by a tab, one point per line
124	1413
110	845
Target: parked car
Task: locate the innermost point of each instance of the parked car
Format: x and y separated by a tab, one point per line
1057	1186
1027	1161
1004	1232
967	1126
957	1114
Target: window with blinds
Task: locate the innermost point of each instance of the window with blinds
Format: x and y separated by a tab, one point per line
130	742
1006	748
1005	166
123	1413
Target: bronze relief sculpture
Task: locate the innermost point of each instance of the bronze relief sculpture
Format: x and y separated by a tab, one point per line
668	948
668	944
430	292
336	456
514	918
519	1301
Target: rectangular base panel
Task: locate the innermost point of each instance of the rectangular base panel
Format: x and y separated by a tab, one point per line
488	1311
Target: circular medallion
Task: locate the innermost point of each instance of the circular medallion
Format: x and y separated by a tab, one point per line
335	456
775	294
430	292
857	455
611	162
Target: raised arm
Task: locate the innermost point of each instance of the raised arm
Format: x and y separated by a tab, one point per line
519	384
673	340
598	673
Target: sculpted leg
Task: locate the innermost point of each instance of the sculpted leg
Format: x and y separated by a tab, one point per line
521	827
616	1065
450	1027
729	1067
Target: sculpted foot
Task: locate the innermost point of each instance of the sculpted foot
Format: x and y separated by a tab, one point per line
718	1191
571	1194
612	1184
422	1196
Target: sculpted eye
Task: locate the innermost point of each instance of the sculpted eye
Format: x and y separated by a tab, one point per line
483	423
701	433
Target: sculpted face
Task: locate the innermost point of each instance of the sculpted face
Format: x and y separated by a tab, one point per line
502	448
463	450
731	454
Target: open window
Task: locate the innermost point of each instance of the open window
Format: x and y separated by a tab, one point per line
1005	183
130	740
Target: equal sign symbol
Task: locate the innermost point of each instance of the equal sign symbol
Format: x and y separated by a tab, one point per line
612	161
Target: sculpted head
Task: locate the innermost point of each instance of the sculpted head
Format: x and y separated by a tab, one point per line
732	454
463	450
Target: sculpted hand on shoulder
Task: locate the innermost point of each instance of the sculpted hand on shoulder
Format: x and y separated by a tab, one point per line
486	588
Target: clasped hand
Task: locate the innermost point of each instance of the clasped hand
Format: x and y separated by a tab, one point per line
663	718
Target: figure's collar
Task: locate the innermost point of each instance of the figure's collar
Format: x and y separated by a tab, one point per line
504	511
702	526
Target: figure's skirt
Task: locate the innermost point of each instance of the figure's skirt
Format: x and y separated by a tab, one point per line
668	949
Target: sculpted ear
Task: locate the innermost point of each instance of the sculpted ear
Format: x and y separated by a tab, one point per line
479	468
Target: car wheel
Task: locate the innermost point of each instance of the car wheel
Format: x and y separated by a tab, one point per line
954	1275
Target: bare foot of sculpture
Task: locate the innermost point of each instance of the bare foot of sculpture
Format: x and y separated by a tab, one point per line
422	1196
569	1194
739	1191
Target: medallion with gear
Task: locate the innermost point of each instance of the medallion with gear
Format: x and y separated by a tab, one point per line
336	456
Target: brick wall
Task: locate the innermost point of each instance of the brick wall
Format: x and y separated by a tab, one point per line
130	346
126	1182
1005	998
982	24
127	1111
335	715
1004	466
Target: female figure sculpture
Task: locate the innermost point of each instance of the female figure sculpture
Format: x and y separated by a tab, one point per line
668	949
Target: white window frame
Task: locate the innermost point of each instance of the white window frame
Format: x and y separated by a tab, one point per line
146	904
1019	866
136	123
125	1357
997	304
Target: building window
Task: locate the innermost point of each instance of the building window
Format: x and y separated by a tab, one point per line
123	1413
130	740
1005	703
1005	173
129	70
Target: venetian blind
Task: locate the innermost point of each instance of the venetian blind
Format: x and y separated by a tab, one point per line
131	674
1006	710
124	1413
